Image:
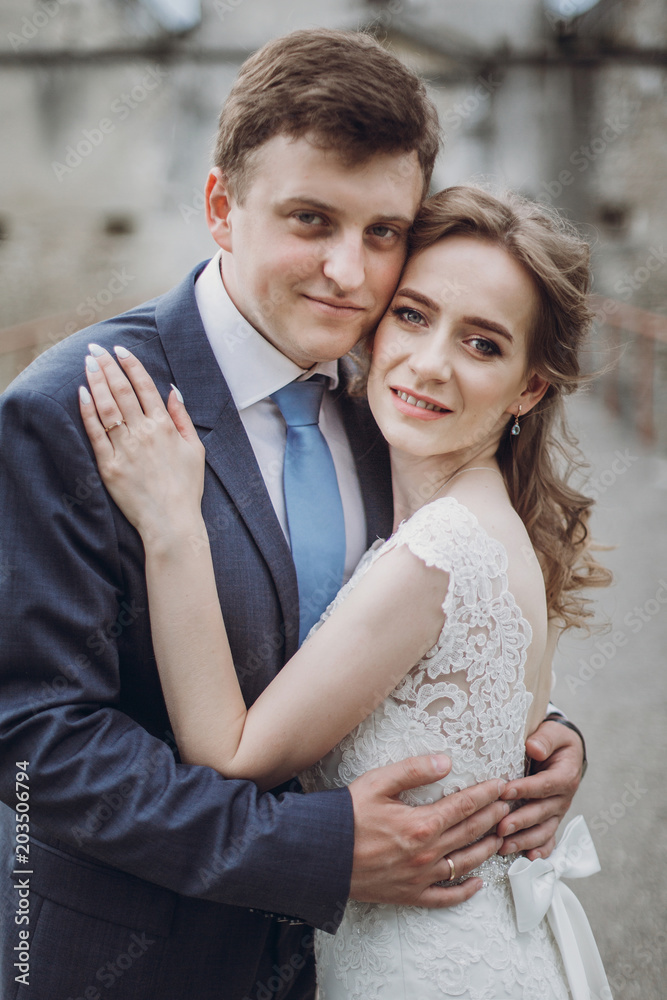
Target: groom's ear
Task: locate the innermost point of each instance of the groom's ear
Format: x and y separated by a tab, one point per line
218	207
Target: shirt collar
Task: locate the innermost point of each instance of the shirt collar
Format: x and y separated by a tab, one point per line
253	368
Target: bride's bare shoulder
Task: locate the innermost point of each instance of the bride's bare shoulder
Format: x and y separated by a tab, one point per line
485	496
488	500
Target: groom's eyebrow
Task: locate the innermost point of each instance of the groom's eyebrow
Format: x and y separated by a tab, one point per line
322	206
305	199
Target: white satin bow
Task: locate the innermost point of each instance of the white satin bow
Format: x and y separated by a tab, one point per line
538	892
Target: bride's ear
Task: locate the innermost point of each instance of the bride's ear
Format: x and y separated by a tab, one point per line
531	395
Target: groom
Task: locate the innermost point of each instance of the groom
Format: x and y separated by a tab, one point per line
144	877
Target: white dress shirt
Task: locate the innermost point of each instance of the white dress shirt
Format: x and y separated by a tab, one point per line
253	369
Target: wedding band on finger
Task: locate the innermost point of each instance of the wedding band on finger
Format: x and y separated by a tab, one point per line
452	870
117	423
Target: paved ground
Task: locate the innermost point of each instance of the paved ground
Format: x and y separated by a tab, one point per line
613	686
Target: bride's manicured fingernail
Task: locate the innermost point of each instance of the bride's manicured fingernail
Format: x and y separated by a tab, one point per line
179	396
96	350
91	364
122	352
84	395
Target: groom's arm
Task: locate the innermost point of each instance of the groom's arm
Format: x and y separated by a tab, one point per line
98	781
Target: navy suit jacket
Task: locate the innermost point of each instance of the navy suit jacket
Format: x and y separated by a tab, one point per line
126	839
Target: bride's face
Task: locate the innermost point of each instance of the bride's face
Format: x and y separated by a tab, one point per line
455	336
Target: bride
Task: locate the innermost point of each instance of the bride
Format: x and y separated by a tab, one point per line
442	640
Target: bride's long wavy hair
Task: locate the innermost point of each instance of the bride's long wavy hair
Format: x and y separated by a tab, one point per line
539	464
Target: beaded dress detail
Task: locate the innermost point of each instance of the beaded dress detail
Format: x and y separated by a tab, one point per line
466	697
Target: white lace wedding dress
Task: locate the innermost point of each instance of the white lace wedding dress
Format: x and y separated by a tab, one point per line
467	698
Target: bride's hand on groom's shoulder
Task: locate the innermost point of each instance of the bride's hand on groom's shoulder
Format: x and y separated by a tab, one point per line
558	755
149	456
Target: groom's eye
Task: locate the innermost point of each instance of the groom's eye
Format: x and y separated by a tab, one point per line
383	232
310	218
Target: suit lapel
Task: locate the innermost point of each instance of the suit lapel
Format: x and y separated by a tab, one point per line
231	457
228	450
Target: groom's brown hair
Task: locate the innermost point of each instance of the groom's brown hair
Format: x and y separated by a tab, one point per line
341	89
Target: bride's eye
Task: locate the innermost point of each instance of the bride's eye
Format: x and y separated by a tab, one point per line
485	346
412	316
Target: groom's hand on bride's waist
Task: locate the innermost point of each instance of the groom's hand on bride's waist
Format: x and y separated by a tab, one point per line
401	851
557	754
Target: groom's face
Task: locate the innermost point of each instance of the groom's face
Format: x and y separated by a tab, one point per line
315	248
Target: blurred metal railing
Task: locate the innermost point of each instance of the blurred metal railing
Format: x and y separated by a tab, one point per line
21	344
630	346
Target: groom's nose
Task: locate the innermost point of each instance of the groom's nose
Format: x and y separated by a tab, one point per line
344	262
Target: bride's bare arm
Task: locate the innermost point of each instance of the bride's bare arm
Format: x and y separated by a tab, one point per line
152	465
333	682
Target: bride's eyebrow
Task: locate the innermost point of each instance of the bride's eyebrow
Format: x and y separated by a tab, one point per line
410	293
487	324
483	324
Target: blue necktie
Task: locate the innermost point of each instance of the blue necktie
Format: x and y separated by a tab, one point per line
312	501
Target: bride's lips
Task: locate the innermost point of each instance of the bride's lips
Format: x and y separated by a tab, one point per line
411	409
332	307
